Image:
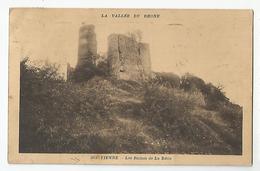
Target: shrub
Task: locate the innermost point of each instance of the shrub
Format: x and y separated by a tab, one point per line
84	72
166	106
89	70
103	68
192	83
213	95
169	80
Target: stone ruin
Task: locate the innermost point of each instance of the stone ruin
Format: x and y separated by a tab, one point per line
127	58
87	47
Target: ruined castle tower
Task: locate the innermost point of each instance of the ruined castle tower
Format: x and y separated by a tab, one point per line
87	48
128	59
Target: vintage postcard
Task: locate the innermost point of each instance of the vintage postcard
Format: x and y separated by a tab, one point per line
130	86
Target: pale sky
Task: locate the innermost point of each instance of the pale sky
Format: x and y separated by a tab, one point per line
213	45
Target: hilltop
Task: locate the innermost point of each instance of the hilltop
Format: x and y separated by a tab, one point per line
165	114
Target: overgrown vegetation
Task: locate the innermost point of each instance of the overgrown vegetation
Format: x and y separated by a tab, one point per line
168	114
89	70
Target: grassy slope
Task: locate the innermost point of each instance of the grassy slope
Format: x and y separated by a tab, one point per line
104	115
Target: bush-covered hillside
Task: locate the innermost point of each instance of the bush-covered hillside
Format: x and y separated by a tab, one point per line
166	114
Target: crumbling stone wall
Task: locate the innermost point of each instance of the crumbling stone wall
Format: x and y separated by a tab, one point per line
128	59
144	54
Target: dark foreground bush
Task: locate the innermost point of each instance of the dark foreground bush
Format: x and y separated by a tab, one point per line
51	109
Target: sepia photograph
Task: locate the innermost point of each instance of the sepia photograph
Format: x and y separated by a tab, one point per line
130	86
